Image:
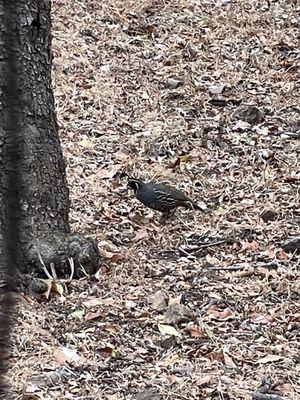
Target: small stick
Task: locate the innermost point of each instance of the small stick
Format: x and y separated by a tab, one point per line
53	271
71	262
236	267
44	266
264	396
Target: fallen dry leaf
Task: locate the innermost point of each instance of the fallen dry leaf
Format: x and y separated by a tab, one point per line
106	352
57	287
167	330
108	172
87	144
223	315
195	331
110	328
175	300
187	157
228	360
170	361
113	257
285	389
269	359
251	246
204	380
64	354
94	315
113	397
92	302
117	257
140	235
261	319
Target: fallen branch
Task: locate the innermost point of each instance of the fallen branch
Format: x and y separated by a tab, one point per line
237	267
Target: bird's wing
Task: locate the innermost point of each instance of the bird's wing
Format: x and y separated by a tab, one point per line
173	193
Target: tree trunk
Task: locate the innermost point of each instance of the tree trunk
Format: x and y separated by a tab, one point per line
45	229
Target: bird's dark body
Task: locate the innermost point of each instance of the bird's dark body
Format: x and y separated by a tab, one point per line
160	197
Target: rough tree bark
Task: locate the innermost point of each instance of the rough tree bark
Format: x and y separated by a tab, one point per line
10	248
45	229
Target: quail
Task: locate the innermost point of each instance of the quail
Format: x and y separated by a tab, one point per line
161	197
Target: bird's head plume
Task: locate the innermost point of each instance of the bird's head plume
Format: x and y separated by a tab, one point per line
134	184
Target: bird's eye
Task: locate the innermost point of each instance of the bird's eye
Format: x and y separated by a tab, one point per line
134	185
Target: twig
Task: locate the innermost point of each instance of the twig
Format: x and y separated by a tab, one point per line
71	262
53	271
201	246
49	276
266	396
82	269
238	267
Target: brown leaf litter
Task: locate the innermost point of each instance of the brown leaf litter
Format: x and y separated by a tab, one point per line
203	95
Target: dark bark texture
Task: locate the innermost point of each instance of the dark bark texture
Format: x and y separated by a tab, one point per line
45	230
10	149
45	201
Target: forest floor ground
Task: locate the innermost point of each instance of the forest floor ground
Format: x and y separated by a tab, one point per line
203	95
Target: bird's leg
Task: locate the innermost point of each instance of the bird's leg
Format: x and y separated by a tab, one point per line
165	216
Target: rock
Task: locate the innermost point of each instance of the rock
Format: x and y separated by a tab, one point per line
31	285
268	215
178	313
250	114
168	342
175	82
292	246
216	89
159	300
